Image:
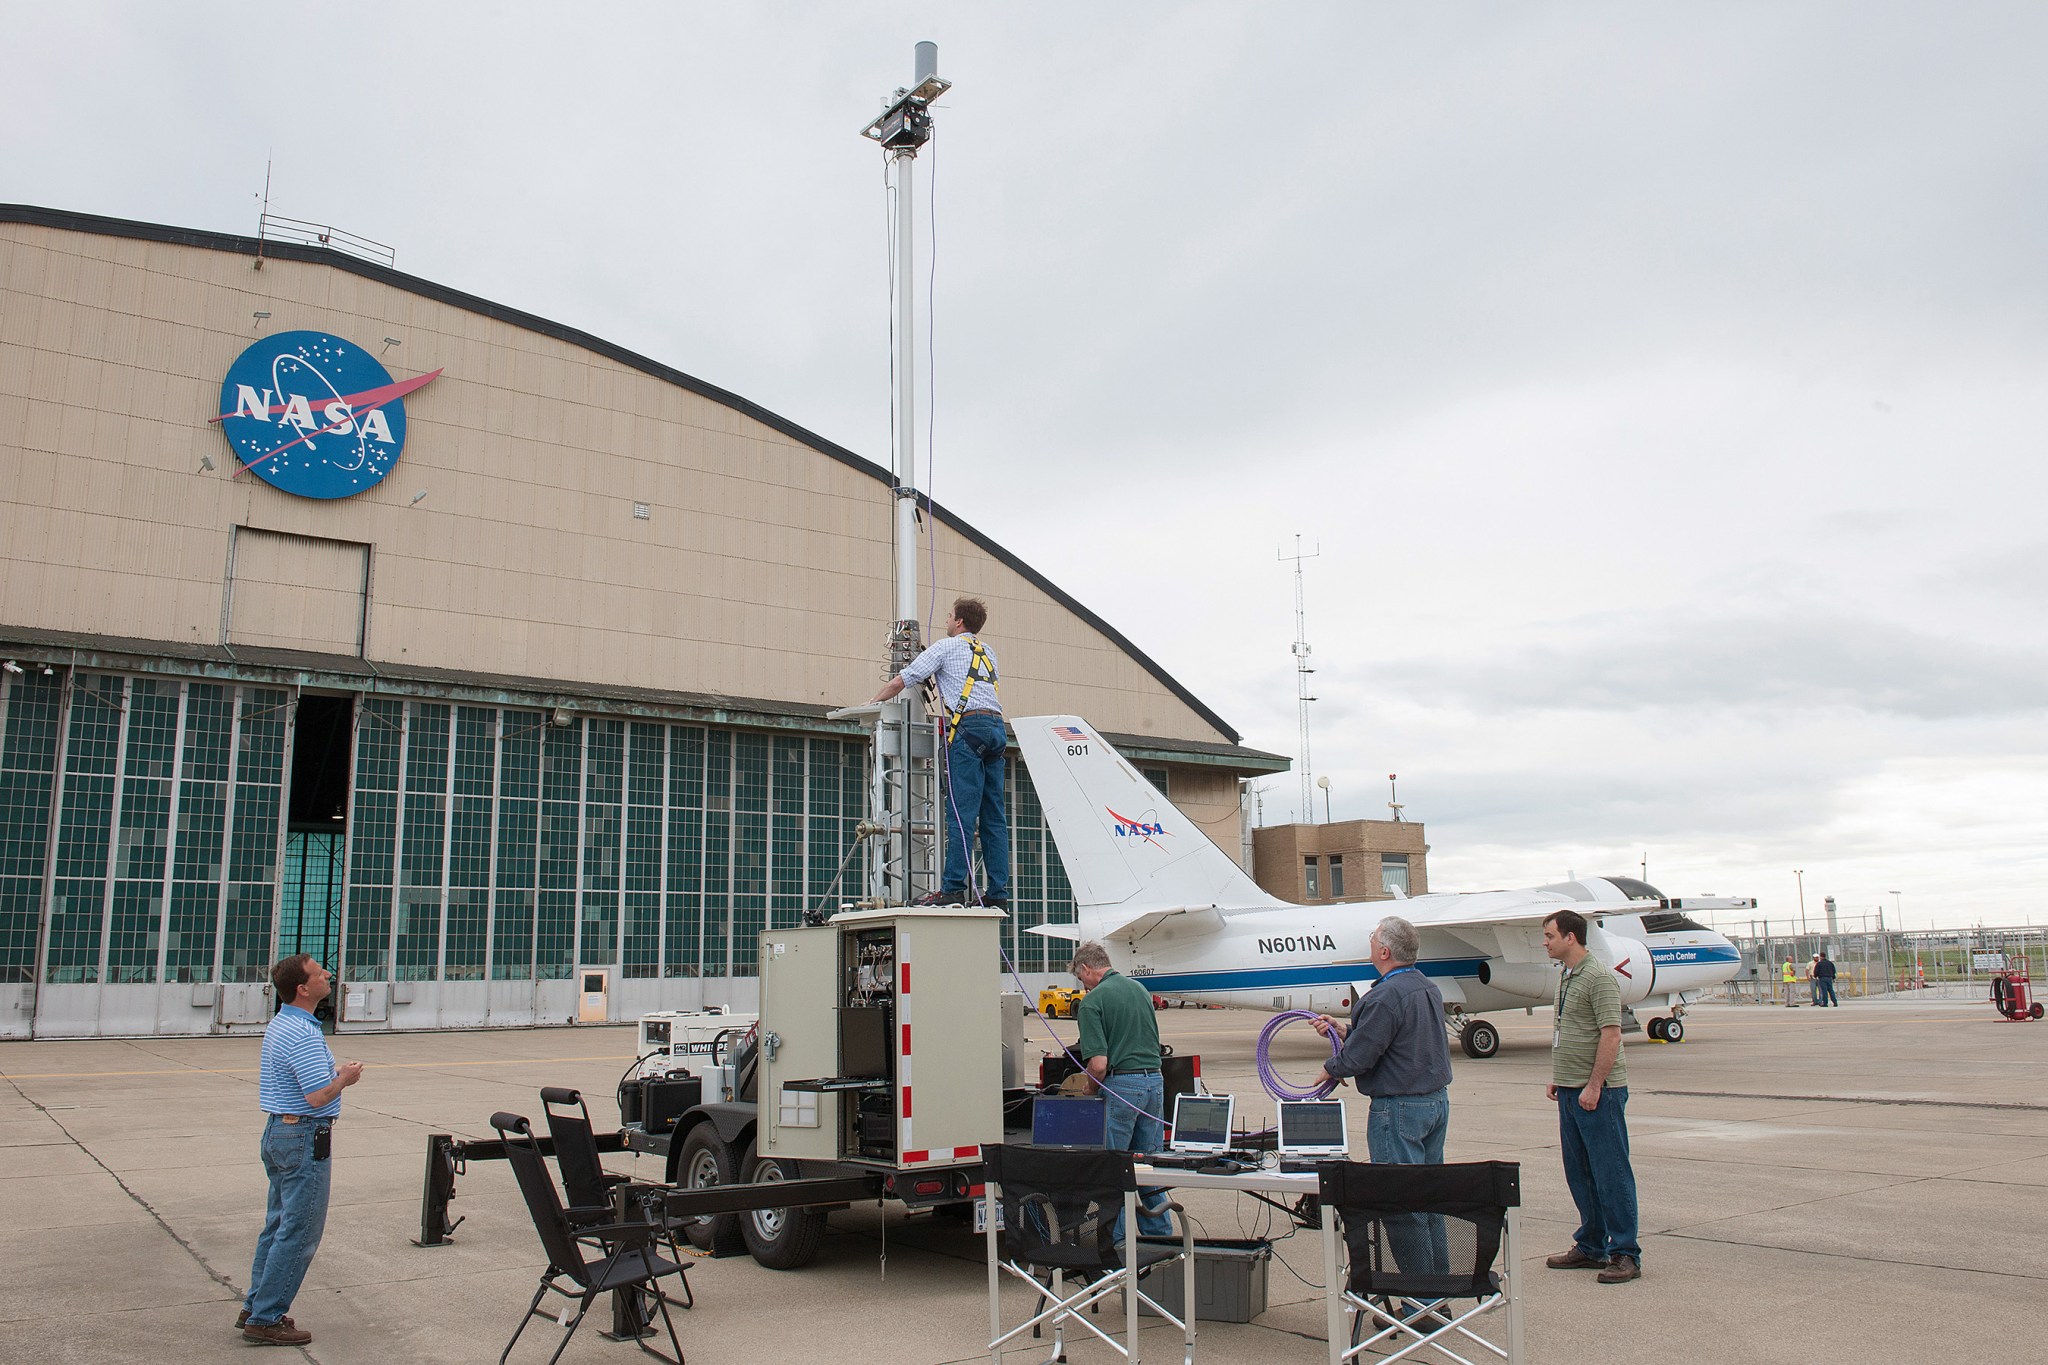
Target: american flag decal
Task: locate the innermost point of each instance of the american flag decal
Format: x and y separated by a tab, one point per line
1069	732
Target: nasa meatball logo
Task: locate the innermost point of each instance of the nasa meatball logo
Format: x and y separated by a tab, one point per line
315	415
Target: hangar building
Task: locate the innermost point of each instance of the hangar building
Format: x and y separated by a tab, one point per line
495	679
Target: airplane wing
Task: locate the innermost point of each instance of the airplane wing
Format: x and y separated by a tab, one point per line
1192	917
1511	934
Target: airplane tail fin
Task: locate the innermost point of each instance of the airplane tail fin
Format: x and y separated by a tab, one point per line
1127	850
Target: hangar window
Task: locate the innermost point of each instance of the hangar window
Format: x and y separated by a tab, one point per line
1310	867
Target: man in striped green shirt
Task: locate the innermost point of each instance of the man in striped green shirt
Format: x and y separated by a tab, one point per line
1589	1081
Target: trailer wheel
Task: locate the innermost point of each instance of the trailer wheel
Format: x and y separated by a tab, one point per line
2035	1009
1479	1039
781	1239
707	1161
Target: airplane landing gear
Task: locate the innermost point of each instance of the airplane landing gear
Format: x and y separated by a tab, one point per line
1479	1039
1664	1030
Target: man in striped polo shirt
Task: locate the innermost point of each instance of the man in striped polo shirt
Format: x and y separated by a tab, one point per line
299	1087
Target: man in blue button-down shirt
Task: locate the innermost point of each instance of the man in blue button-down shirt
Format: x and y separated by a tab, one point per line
299	1087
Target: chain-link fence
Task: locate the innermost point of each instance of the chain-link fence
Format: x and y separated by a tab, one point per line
1872	960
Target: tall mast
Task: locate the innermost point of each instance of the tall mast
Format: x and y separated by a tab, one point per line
904	780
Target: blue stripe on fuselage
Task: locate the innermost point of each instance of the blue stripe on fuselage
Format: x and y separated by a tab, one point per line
1319	974
1695	955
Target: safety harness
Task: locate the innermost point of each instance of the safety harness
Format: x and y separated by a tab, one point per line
980	668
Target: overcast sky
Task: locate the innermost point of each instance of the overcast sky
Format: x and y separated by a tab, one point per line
1661	384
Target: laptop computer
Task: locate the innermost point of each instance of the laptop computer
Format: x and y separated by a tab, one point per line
1201	1124
1312	1131
1071	1121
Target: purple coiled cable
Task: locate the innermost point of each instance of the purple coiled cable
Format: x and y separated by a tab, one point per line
1275	1085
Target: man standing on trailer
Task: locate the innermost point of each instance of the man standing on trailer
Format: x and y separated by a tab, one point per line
1589	1081
299	1087
963	669
1395	1048
1120	1047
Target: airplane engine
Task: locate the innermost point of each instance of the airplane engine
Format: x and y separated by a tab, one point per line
1634	969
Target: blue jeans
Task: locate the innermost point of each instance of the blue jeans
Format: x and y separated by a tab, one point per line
1133	1131
1596	1168
974	803
1824	986
1408	1130
293	1220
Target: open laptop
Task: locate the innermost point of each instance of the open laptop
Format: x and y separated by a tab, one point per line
1201	1130
1076	1122
1312	1131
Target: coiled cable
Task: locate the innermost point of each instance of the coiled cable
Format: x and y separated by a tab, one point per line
1278	1086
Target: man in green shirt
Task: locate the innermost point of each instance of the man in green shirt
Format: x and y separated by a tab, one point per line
1589	1081
1120	1048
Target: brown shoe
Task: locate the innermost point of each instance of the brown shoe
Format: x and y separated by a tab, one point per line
274	1334
242	1320
1621	1270
1574	1259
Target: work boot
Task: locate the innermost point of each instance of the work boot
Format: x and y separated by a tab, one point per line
242	1320
1574	1259
995	902
949	899
1621	1270
280	1333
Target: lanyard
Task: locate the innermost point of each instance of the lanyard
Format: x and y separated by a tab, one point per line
1411	967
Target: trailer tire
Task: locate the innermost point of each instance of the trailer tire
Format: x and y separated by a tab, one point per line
707	1161
780	1239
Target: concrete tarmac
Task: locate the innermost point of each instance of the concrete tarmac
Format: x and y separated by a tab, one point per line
1860	1184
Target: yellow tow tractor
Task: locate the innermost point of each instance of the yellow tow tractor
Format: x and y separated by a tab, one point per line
1058	1002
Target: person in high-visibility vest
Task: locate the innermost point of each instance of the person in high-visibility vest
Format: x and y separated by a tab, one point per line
1790	976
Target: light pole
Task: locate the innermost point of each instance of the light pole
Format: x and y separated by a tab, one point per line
1898	915
1324	783
1800	873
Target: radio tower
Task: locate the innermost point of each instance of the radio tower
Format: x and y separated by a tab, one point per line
1302	670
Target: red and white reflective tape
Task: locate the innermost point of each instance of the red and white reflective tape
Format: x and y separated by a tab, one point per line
971	1152
903	1066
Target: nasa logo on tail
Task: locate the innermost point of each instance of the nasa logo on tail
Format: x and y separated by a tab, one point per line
1151	831
315	415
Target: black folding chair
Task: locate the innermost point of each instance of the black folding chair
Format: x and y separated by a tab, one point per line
628	1263
584	1178
1421	1240
588	1185
1058	1211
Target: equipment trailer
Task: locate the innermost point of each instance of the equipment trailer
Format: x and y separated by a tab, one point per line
884	1056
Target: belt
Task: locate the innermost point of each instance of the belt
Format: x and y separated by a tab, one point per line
1137	1071
302	1118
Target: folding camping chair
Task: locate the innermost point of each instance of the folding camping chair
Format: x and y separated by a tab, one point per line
588	1185
629	1262
1421	1239
1058	1214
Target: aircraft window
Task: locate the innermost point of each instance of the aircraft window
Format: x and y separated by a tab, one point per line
1635	890
1671	922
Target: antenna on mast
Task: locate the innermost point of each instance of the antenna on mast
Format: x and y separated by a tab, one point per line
1302	670
904	777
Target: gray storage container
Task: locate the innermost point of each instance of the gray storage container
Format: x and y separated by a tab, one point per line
1230	1280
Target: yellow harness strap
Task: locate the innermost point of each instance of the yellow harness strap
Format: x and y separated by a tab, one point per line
979	668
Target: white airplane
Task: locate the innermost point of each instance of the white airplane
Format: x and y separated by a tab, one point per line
1177	913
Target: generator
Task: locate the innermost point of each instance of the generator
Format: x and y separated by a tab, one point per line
884	1038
